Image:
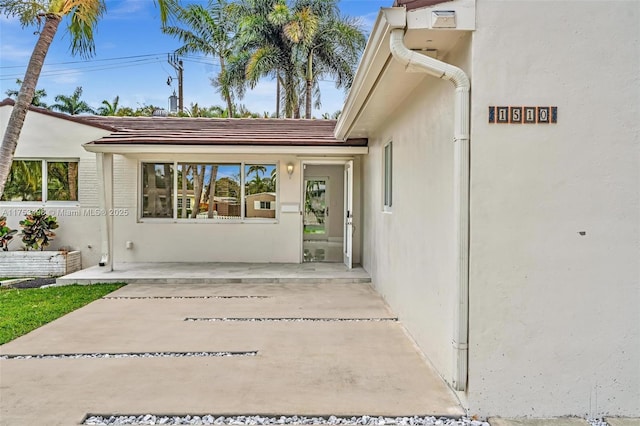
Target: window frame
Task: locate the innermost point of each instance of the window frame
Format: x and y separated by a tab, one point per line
176	219
44	161
387	177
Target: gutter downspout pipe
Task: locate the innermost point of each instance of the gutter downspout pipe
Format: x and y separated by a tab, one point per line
397	19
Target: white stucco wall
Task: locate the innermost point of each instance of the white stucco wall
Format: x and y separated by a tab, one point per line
163	240
554	314
409	251
47	137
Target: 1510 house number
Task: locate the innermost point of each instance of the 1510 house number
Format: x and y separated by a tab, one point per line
523	114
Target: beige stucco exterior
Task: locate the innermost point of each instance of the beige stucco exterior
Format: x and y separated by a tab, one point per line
136	239
554	209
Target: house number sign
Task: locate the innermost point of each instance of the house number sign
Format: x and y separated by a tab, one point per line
523	114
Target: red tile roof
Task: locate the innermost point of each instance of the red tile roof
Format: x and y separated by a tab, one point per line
219	131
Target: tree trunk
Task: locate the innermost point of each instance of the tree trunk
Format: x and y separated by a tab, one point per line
168	191
198	185
25	96
225	87
185	170
152	190
72	176
307	113
212	190
277	93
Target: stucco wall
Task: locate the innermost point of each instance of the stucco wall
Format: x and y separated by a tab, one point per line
409	251
46	137
555	323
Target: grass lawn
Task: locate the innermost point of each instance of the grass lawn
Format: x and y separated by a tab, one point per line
24	310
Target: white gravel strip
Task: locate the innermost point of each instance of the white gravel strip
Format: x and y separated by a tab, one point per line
182	297
151	419
132	355
597	422
293	319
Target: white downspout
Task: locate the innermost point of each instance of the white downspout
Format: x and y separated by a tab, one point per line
397	18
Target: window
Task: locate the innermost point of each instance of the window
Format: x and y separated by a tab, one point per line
157	190
260	190
209	191
388	176
27	177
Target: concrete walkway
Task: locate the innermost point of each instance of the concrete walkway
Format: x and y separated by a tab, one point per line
218	273
304	368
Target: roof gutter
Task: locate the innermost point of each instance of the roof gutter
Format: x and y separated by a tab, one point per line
397	20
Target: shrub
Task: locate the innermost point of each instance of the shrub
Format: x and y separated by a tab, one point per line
37	229
6	234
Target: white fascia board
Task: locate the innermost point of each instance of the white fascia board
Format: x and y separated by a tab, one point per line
226	149
371	64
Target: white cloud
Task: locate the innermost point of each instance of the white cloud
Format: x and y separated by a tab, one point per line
367	21
15	53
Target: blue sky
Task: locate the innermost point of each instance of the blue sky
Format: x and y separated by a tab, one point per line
131	61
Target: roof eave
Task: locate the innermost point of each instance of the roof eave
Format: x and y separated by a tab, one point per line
147	149
372	62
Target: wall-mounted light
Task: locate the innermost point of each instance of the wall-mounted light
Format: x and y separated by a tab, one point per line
290	169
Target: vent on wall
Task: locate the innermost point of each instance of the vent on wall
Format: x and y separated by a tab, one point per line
443	19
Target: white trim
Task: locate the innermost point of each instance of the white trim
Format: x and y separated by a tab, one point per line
226	149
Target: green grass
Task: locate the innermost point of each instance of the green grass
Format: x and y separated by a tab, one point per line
24	310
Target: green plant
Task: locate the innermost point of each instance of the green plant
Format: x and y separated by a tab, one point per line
6	234
37	229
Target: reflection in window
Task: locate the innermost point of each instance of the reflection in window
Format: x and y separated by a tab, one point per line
260	190
26	177
62	181
24	182
388	176
209	191
157	190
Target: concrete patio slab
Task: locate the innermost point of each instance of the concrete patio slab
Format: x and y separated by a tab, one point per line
303	368
562	421
219	273
622	421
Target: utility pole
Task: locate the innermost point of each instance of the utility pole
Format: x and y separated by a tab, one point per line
176	63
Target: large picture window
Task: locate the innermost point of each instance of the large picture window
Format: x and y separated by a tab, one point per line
209	191
42	180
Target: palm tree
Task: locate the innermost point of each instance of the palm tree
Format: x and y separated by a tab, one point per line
109	108
209	32
331	44
262	50
37	95
84	15
72	105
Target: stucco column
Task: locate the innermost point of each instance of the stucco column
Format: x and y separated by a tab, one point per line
104	164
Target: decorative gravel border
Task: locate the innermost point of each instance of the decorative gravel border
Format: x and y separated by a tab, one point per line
182	297
133	355
208	419
191	319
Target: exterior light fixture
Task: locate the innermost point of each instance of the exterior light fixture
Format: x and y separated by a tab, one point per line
290	169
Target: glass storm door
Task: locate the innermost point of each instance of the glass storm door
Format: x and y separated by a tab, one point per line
316	212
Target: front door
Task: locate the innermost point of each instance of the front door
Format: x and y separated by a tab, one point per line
316	211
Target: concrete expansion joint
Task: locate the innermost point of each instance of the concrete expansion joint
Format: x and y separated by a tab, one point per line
181	297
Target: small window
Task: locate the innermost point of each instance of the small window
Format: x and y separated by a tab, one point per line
157	190
260	190
27	177
388	176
